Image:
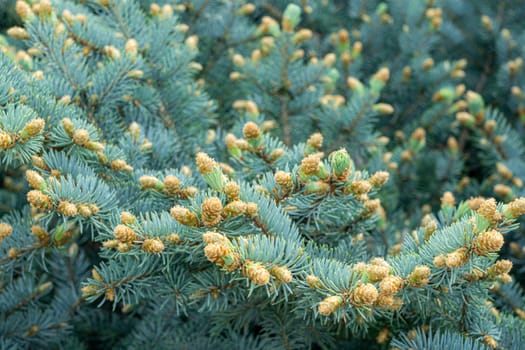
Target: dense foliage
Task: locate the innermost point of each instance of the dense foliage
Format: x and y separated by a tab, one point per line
314	174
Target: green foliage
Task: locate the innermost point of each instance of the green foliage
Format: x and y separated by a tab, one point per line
276	174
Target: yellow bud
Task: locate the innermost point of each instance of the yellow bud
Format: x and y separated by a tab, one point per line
153	246
365	294
329	305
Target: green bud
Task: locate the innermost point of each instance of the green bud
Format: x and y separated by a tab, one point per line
382	8
317	187
331	79
215	179
445	94
291	17
228	260
322	173
475	102
376	86
235	152
341	163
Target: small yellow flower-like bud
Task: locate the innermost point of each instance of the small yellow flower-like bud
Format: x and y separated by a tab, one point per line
517	207
313	281
184	216
391	285
136	74
81	137
235	208
457	258
34	179
329	60
172	184
5	230
252	209
505	172
490	341
150	182
452	144
33	128
276	154
257	273
251	131
360	187
377	272
384	300
96	275
68	126
284	180
39	200
329	305
112	52
302	35
505	278
214	237
211	211
371	206
118	165
383	108
215	251
419	277
40	234
205	163
18	33
84	210
192	41
379	178
232	189
353	83
382	336
6	140
251	108
365	294
173	238
246	9
282	273
227	169
132	47
127	218
310	165
448	199
383	74
111	244
235	76
238	60
428	63
97	146
124	234
490	126
502	190
67	209
520	313
488	209
418	134
488	241
465	118
110	294
440	260
500	267
315	141
153	246
230	140
475	202
23	10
